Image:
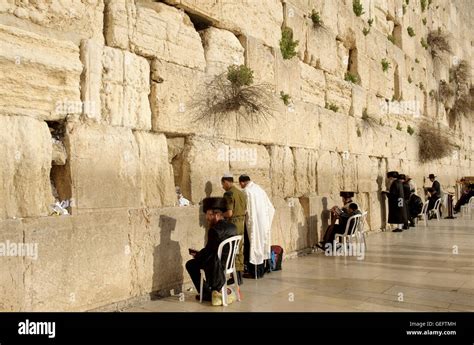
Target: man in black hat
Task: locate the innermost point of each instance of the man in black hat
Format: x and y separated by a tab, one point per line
206	258
396	201
436	186
406	194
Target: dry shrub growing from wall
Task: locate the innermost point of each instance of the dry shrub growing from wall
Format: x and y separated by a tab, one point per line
460	77
438	42
433	143
233	92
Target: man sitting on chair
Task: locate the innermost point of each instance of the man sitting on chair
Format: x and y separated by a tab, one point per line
206	258
343	215
433	196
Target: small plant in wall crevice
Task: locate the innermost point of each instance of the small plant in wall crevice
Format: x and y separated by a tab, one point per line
287	44
357	8
385	64
316	19
410	31
286	98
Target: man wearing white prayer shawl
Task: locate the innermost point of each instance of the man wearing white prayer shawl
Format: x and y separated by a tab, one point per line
260	212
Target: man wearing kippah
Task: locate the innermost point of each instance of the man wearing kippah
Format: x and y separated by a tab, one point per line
236	202
206	258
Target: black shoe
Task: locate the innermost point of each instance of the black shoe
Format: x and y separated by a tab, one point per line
205	297
321	246
397	230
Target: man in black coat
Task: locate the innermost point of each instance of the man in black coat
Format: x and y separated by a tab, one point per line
396	201
436	186
206	258
406	194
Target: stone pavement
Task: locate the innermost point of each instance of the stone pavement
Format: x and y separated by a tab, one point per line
416	270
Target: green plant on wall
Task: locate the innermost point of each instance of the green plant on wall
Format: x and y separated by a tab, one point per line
391	38
357	8
399	126
410	80
365	31
424	21
286	98
370	21
316	19
385	65
410	31
332	106
287	44
433	143
352	78
423	43
423	5
404	9
410	130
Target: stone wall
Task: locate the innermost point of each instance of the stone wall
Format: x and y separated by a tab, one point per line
96	107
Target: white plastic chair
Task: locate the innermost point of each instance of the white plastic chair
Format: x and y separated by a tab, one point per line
233	243
424	213
350	232
466	210
361	231
436	207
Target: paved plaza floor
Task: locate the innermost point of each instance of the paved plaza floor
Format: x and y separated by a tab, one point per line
422	269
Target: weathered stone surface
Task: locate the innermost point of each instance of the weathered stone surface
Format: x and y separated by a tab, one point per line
11	274
305	171
204	164
39	76
282	167
154	30
126	86
26	148
221	49
338	92
330	180
105	167
96	274
261	20
322	50
91	81
64	20
333	129
302	125
313	85
157	182
261	59
250	159
289	228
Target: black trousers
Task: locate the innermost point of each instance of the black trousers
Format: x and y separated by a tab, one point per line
193	267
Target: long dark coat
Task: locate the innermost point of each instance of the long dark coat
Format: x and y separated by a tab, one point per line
397	213
207	257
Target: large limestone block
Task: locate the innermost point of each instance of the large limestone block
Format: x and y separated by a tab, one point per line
349	171
105	167
288	76
250	159
358	101
39	76
25	189
263	20
302	125
289	227
157	182
313	85
273	129
204	163
221	49
330	173
367	168
177	93
154	30
68	20
158	235
282	171
321	50
333	129
381	83
295	19
126	86
305	171
360	136
11	274
261	59
338	92
83	261
91	81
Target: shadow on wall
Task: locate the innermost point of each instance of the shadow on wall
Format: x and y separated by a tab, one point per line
167	261
202	216
325	216
381	198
